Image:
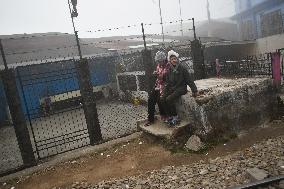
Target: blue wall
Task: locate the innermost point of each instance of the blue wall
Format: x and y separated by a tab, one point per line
50	79
102	70
43	80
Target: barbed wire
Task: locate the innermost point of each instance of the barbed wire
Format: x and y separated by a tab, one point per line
75	57
167	22
37	35
72	46
136	25
112	29
93	43
41	50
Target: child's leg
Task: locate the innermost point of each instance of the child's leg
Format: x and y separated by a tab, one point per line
152	100
162	108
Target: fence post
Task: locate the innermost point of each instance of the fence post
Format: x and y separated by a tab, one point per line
149	68
89	101
198	59
18	117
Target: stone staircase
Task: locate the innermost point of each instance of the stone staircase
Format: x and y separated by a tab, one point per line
162	130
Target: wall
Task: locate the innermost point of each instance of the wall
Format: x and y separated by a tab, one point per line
228	106
256	2
58	78
259	46
229	51
269	44
254	16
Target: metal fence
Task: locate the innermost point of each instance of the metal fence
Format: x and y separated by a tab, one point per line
243	67
51	102
60	102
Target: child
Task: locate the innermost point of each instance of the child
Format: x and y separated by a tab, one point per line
154	96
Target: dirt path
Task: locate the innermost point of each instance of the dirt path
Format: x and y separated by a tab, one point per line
134	158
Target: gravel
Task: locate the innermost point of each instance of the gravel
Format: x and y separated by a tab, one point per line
222	172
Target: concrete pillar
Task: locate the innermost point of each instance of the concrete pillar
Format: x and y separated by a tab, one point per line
18	117
89	102
198	59
149	68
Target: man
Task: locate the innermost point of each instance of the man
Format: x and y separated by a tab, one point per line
177	80
154	97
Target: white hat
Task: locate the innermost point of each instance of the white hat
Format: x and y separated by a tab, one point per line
160	56
172	53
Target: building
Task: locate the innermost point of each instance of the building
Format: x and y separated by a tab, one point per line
259	18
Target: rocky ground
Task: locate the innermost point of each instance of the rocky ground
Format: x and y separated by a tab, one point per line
147	163
228	171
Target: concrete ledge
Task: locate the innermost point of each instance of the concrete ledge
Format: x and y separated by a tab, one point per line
162	130
228	105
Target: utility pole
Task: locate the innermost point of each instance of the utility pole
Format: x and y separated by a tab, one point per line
144	37
86	88
75	14
193	26
181	24
161	18
209	19
208	11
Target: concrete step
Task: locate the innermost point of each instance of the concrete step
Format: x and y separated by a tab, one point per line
163	130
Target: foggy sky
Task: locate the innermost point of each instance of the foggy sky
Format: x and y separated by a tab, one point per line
39	16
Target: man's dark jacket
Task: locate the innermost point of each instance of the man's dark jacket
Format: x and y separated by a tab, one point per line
177	80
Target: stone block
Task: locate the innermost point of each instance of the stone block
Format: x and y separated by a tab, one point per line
194	143
256	174
161	129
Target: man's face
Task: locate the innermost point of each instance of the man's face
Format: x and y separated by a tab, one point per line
173	60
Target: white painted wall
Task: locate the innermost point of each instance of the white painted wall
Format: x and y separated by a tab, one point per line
269	44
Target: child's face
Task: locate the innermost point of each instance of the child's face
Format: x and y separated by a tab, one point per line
161	62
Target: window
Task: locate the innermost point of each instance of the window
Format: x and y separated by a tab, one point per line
247	30
271	23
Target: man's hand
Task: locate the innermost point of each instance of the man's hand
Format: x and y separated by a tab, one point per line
195	94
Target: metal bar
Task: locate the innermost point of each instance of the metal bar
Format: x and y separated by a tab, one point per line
194	32
64	151
180	14
27	110
3	55
144	38
75	32
161	17
271	64
58	112
56	145
261	183
52	138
